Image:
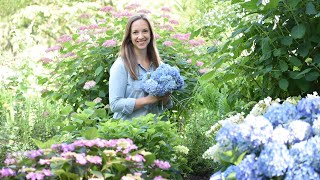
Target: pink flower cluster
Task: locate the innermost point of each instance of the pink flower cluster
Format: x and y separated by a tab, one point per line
84	16
122	14
69	54
54	48
89	84
64	38
195	42
6	172
45	60
107	9
162	164
39	175
110	43
168	43
181	37
132	6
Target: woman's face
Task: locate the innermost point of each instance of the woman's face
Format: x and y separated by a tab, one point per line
140	34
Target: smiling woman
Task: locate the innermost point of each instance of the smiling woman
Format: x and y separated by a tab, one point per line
139	56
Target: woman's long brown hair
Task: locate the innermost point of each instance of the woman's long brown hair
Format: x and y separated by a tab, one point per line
127	52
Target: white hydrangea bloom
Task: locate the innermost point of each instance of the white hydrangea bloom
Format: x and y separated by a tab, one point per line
212	153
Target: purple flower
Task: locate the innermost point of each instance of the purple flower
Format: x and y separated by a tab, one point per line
35	176
110	43
88	85
94	159
64	38
162	164
81	159
34	153
6	172
54	48
168	43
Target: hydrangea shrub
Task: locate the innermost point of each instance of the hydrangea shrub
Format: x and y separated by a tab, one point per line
282	142
86	159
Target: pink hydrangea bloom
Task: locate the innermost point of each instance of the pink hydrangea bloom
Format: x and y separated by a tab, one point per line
138	158
189	61
6	172
158	178
88	85
94	159
69	54
35	176
121	14
54	48
203	71
175	22
165	16
84	16
94	26
80	159
64	38
182	37
46	172
110	43
107	9
168	43
199	63
162	164
157	36
166	9
82	28
132	6
44	161
97	100
144	11
194	42
45	60
167	27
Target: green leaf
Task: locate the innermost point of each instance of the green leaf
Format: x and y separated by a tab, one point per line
304	71
283	66
239	159
277	52
295	61
90	133
97	174
317	58
90	103
98	70
66	110
310	8
287	41
69	128
293	3
298	31
312	76
295	75
283	84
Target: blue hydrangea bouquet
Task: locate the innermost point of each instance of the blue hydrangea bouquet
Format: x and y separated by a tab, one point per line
282	142
163	80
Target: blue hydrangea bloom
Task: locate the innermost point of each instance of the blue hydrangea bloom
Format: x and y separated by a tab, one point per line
280	135
299	131
163	80
248	170
227	136
255	131
309	107
303	172
281	113
274	160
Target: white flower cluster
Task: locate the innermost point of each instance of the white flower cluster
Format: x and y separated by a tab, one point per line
212	153
182	149
261	107
238	118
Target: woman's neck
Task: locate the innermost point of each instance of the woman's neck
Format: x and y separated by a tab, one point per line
142	57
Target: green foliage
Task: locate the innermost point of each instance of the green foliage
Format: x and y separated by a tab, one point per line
24	115
275	50
151	134
86	159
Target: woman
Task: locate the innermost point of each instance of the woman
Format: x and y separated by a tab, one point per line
138	56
